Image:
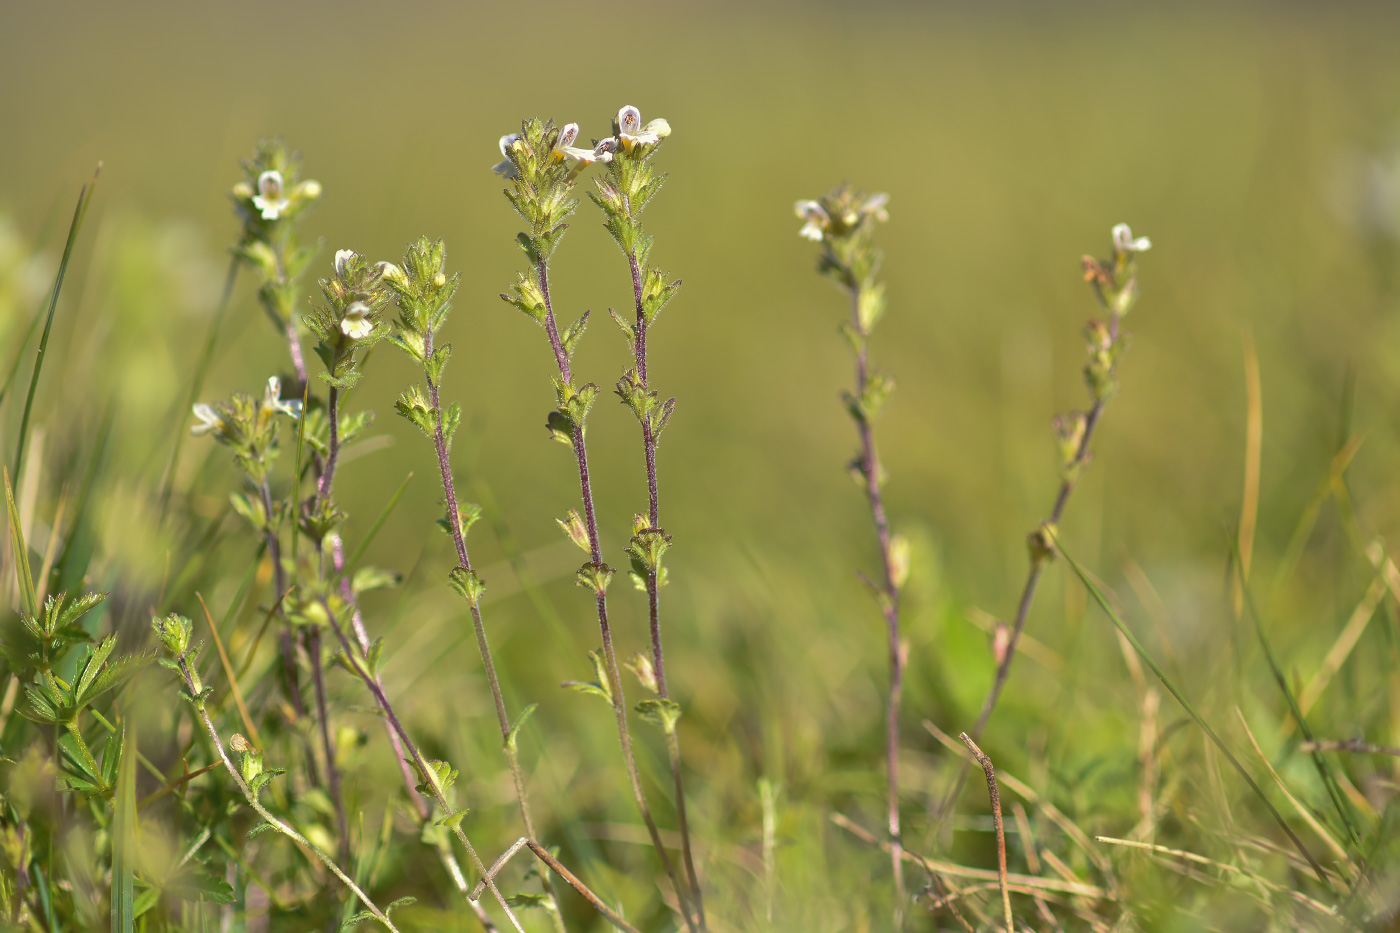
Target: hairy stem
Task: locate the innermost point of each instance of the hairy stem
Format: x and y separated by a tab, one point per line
429	774
313	646
279	578
619	701
889	598
658	659
323	489
1023	607
454	522
273	821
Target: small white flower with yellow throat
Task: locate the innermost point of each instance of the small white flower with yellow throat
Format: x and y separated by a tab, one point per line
271	198
564	148
209	420
273	403
633	134
356	324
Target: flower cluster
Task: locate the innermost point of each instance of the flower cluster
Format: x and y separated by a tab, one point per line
844	223
248	426
351	319
1115	286
1115	280
268	199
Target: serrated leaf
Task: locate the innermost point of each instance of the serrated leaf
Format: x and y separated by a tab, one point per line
664	713
514	732
397	903
571	336
453	819
373	578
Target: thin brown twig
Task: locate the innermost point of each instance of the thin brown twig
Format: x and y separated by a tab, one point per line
1348	745
558	868
939	867
995	795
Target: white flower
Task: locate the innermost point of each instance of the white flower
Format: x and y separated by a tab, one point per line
816	220
507	168
632	133
564	148
394	275
209	419
342	259
1124	242
270	198
357	324
875	207
273	402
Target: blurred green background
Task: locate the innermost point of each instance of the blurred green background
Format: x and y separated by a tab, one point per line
1258	145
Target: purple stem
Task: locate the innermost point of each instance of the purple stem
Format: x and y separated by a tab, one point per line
658	659
870	466
383	700
619	701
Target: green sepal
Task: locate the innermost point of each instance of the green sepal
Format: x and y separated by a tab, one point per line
664	713
438	363
413	405
595	576
560	428
656	294
446	776
410	343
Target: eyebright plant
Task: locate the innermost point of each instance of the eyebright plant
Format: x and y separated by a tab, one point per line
843	222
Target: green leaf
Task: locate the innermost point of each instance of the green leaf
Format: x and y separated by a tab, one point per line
453	819
571	336
530	900
395	904
514	732
80	212
373	578
260	829
28	601
123	895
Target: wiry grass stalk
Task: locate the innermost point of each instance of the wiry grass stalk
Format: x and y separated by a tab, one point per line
429	774
1099	598
79	213
206	357
619	701
658	658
